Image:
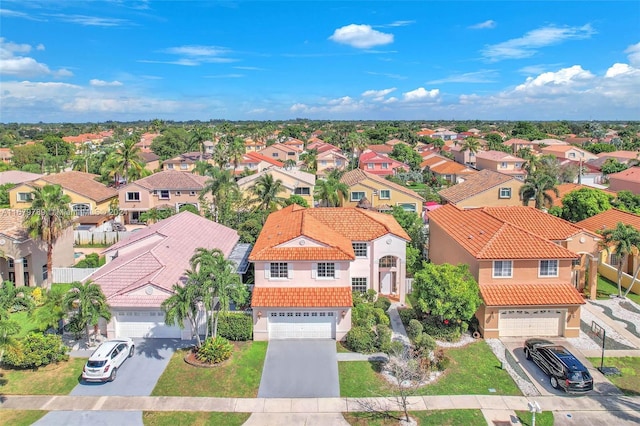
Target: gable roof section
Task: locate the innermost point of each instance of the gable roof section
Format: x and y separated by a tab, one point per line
17	177
359	176
609	219
475	183
497	156
487	237
632	174
257	157
11	224
301	297
530	294
83	184
173	179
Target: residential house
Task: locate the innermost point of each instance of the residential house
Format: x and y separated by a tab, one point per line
330	160
626	180
308	262
141	271
502	162
380	193
465	156
145	141
186	162
528	264
294	143
517	144
623	157
17	177
88	196
251	145
294	182
150	160
167	189
6	155
88	138
23	260
608	265
484	188
380	164
254	162
382	149
445	135
282	152
568	152
446	169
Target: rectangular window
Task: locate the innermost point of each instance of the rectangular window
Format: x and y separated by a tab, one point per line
170	166
502	268
359	284
133	196
548	268
305	190
24	197
279	270
572	155
275	154
323	162
360	249
385	194
385	165
183	166
25	263
503	165
11	263
164	194
357	195
505	192
326	270
370	166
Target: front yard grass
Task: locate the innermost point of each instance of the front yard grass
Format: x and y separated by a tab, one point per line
54	379
163	418
20	417
629	381
542	419
432	417
239	376
607	287
473	370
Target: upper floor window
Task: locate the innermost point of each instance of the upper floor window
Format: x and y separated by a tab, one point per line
518	165
279	270
572	155
133	196
360	249
192	192
548	268
385	194
164	194
304	190
357	195
170	166
385	165
503	165
323	162
387	262
505	192
370	166
183	166
25	197
326	270
275	154
502	268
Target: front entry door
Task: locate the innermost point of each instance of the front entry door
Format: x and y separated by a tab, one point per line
385	282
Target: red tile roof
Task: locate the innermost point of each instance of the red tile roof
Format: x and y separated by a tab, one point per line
83	184
609	219
530	294
632	174
301	297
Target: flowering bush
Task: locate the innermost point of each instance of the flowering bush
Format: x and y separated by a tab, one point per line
214	350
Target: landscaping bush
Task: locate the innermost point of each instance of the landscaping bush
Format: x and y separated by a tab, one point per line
414	329
214	350
382	303
439	330
395	347
424	343
381	316
235	326
440	361
91	260
370	295
362	315
384	338
361	339
407	315
36	350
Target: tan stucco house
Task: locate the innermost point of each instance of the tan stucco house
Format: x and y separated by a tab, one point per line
484	188
294	182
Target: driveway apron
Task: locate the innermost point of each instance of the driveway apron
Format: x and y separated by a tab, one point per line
304	368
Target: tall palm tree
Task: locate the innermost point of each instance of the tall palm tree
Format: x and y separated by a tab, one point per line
536	186
265	191
199	135
310	160
330	192
183	305
222	188
52	310
623	240
472	145
220	155
88	304
49	217
127	159
236	151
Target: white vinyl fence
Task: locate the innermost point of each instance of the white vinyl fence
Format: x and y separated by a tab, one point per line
99	237
409	285
69	275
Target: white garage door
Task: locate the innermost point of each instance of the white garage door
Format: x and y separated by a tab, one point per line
302	325
531	322
148	324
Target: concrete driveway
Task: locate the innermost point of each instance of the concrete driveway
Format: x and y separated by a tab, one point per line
136	377
303	368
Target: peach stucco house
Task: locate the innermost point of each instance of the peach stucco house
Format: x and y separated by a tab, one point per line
484	188
529	265
308	261
502	162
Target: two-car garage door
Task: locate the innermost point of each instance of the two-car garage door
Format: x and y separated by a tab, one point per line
149	324
531	322
302	325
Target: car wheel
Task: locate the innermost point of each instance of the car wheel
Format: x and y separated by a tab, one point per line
131	351
527	353
112	377
554	382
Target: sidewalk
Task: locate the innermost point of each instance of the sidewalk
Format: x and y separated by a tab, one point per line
399	332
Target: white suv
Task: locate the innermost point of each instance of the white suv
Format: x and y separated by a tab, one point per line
104	362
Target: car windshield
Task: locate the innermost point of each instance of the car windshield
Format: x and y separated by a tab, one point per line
95	364
579	376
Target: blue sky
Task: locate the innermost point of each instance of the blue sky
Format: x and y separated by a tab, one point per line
77	61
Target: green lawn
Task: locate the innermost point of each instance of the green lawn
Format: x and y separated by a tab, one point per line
473	371
20	417
543	419
27	322
607	287
341	348
237	377
163	418
54	379
629	381
432	417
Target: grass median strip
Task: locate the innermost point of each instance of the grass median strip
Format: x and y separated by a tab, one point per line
163	418
20	417
54	379
542	419
432	417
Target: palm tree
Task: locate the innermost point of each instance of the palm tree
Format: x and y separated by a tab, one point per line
88	304
222	188
127	159
201	168
49	217
536	186
437	143
310	160
183	305
236	151
220	155
52	311
265	191
199	135
13	298
330	192
623	240
155	214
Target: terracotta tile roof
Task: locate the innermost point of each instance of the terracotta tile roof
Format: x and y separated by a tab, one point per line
382	149
172	179
451	168
474	184
11	224
17	176
83	184
530	294
609	219
487	237
516	141
257	157
332	229
301	297
620	154
356	176
632	174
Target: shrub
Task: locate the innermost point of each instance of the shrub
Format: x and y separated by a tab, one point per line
396	347
424	343
384	338
382	303
407	315
414	329
36	350
441	331
91	260
363	315
235	326
214	350
361	339
76	326
440	360
370	295
381	316
37	296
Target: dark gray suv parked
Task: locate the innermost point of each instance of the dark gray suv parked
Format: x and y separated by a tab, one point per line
565	371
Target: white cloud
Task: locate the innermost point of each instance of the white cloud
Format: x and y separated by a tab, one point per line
400	23
361	36
91	21
634	54
102	83
550	81
24	66
197	51
620	69
527	45
484	76
377	95
298	108
194	55
420	94
486	25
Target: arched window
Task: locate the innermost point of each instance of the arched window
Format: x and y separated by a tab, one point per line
81	209
387	262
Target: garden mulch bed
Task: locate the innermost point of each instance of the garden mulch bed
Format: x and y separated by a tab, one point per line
190	358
